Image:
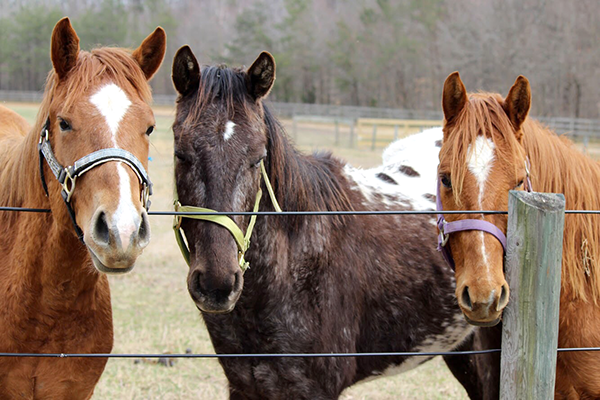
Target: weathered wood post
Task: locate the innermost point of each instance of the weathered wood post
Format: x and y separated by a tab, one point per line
533	269
352	141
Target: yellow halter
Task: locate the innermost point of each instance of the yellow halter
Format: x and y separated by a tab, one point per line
242	241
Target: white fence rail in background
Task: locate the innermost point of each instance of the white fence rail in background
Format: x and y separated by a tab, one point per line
578	128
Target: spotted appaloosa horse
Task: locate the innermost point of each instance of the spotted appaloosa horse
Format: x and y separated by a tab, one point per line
52	298
316	284
488	141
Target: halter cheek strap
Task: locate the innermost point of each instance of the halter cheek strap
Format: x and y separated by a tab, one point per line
446	228
242	240
67	176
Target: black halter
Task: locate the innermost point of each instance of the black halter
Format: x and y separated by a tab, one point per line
67	176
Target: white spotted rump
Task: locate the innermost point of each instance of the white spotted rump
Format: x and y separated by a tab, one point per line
112	102
418	154
229	130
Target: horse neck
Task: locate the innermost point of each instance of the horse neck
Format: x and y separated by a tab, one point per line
300	183
41	247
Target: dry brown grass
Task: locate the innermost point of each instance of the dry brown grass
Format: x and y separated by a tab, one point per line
153	312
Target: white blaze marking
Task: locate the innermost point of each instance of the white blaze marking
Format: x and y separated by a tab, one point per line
112	102
125	217
480	161
480	164
229	131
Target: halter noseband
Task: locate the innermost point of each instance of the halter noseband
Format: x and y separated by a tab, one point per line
242	241
67	176
446	228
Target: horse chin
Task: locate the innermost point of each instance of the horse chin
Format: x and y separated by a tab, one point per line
101	267
483	324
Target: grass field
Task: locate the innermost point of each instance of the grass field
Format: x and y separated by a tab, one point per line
153	312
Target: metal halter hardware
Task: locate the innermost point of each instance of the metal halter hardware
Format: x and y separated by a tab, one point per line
242	241
67	176
446	228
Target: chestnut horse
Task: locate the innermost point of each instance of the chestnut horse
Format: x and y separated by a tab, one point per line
488	146
91	134
342	283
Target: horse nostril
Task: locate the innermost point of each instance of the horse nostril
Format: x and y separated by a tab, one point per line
144	231
503	298
101	230
466	299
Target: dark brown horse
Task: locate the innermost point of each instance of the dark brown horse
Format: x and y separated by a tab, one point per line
53	298
316	283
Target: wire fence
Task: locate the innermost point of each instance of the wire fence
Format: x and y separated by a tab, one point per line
291	355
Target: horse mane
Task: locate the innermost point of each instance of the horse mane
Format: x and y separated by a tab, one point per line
572	174
316	179
482	113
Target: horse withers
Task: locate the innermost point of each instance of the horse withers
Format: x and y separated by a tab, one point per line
490	146
85	159
315	284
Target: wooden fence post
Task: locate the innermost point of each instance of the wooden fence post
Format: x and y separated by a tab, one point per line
530	321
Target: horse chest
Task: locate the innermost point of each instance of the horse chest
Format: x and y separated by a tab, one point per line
32	326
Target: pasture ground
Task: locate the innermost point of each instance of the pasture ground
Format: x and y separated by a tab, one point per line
153	312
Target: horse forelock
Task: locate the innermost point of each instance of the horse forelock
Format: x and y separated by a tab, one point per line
92	69
223	86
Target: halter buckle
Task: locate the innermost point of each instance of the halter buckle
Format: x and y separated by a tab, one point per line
68	184
145	196
177	218
443	236
44	135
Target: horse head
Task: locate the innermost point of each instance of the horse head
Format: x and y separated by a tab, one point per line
95	141
481	159
220	143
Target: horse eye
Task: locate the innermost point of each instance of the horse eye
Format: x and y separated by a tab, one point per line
64	125
257	163
150	130
519	184
446	181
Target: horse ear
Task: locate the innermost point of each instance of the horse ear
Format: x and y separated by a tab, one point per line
64	47
518	102
151	52
454	96
261	75
186	71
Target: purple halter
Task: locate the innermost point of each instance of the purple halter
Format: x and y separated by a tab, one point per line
446	228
